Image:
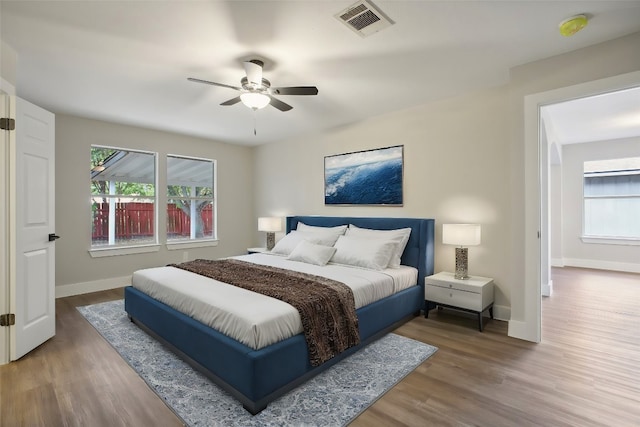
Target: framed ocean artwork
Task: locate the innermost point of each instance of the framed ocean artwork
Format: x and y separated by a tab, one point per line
371	177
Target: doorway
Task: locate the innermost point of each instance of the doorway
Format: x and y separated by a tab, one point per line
537	227
600	131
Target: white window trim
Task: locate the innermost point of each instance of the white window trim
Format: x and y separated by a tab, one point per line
604	240
196	243
123	250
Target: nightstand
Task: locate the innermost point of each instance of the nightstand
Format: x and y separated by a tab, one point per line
256	250
474	295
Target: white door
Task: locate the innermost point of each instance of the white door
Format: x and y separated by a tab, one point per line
31	223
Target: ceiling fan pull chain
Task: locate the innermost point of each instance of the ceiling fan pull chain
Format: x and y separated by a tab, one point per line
254	123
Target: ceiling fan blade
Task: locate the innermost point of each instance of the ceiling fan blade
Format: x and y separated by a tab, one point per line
282	106
253	69
295	90
191	79
232	101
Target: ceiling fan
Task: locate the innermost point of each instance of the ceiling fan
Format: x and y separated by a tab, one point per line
256	92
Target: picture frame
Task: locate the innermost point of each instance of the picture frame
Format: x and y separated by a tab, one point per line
370	177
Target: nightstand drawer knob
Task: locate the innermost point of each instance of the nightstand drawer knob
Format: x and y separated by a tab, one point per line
450	285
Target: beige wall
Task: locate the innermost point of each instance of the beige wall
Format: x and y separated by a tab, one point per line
575	252
8	63
452	172
74	137
8	68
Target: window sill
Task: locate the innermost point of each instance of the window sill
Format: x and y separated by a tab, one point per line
126	250
626	241
189	244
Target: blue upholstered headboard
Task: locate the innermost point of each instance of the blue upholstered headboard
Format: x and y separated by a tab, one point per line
420	247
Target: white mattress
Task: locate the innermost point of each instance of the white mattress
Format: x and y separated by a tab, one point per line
254	319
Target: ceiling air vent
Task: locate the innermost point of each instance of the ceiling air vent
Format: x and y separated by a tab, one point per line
364	18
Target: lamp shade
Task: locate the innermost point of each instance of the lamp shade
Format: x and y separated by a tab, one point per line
461	234
269	224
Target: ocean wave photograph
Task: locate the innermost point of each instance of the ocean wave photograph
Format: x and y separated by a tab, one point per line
372	177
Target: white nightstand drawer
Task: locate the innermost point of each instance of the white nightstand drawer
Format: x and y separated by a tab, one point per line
456	286
475	284
454	297
474	294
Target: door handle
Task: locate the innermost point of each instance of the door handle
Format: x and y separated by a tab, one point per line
53	237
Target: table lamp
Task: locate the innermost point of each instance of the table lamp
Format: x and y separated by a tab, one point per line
270	225
461	235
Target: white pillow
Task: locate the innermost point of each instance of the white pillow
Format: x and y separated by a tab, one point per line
288	243
340	229
399	236
363	252
311	253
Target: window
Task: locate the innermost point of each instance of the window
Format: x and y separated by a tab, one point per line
190	199
123	197
612	199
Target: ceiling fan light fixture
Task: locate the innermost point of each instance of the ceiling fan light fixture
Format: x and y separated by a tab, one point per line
255	100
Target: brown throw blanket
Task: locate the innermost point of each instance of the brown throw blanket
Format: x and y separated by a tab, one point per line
326	307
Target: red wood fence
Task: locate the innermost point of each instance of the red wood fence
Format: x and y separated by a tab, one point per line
136	220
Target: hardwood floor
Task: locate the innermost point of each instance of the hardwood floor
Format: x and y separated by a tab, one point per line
586	371
78	379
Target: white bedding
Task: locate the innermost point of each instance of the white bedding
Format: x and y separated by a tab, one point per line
254	319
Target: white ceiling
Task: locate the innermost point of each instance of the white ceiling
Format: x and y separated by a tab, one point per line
603	117
128	61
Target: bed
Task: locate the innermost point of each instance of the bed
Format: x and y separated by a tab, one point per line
257	377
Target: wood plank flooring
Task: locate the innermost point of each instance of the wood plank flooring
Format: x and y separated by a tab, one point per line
586	371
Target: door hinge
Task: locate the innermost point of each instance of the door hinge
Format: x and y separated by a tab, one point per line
7	319
7	123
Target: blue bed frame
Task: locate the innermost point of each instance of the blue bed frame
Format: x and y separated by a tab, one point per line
257	377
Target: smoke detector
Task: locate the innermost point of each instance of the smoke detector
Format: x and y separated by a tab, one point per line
572	25
364	18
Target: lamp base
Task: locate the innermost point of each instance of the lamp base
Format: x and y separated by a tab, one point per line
271	240
462	260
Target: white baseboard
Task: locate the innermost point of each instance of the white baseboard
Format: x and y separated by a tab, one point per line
546	289
602	265
523	331
94	286
501	312
557	262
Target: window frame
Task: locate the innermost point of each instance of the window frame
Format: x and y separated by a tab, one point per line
136	248
181	244
601	238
